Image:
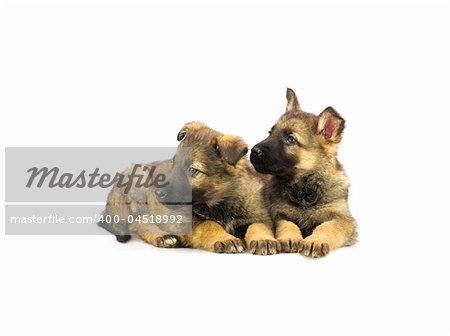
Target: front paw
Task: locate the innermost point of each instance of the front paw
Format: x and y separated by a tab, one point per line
315	248
233	245
123	238
291	245
264	246
167	241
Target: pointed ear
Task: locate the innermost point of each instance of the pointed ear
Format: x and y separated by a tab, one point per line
181	134
330	125
189	127
292	102
231	148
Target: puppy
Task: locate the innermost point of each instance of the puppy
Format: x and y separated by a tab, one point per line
308	190
227	193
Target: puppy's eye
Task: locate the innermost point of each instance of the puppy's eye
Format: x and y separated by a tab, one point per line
291	140
181	135
270	132
193	171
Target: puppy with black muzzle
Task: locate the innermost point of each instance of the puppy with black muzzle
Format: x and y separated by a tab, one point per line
227	193
309	189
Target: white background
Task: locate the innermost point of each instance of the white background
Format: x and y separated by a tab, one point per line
131	73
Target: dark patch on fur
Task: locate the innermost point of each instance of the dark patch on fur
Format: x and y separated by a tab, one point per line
198	196
307	193
229	212
304	198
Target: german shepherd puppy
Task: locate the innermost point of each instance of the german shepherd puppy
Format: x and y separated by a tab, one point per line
227	193
308	188
227	198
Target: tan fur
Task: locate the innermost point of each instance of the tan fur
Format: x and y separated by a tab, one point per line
231	148
308	160
328	236
289	236
163	240
211	236
260	239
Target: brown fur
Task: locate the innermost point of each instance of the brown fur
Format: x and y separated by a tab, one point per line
308	189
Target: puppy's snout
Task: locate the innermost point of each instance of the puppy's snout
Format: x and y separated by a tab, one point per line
257	151
160	194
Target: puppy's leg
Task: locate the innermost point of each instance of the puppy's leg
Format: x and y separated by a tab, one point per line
211	236
153	235
329	236
260	239
289	236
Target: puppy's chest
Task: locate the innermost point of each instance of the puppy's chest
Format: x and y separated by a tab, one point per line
299	203
307	219
229	214
304	196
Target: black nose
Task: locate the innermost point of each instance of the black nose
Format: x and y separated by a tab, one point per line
160	194
256	151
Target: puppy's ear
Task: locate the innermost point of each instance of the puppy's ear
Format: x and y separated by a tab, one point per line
231	148
188	128
181	134
292	102
330	125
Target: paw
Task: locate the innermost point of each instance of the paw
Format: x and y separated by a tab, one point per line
315	248
264	246
291	245
167	241
233	245
123	238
